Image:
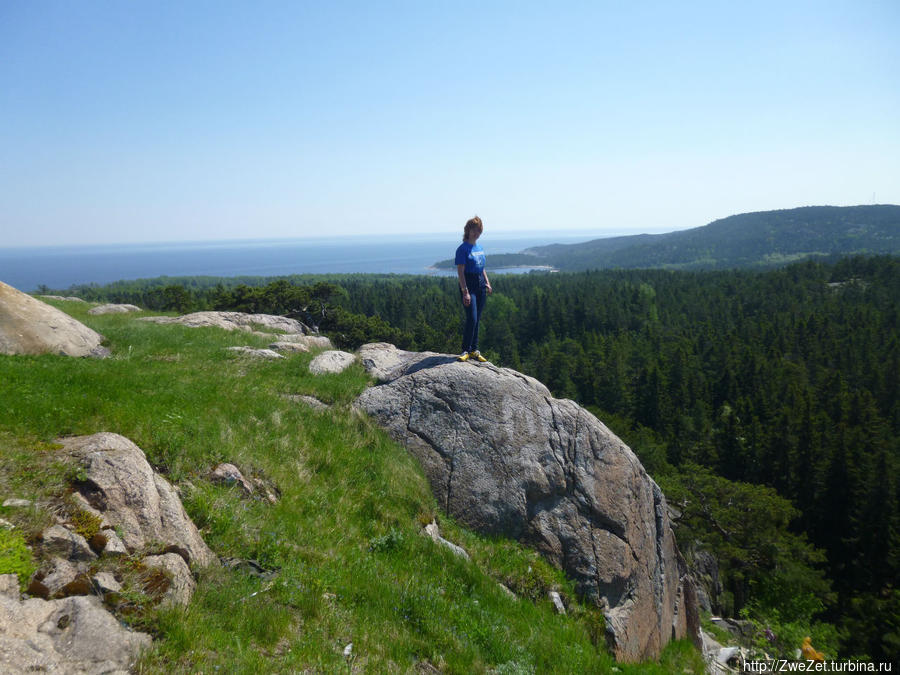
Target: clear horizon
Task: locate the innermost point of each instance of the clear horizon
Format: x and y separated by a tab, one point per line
197	121
27	268
494	234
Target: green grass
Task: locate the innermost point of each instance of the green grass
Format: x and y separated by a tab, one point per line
15	557
343	541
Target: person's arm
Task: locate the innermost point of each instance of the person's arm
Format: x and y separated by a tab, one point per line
461	273
487	283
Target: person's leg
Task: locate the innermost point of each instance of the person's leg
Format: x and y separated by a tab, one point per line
470	331
481	296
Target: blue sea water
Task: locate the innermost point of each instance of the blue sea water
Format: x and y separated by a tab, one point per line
59	267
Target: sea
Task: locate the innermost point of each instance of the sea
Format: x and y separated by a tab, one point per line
60	267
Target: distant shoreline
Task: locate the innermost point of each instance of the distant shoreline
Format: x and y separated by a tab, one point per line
61	267
546	268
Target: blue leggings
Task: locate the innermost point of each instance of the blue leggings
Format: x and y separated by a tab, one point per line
478	294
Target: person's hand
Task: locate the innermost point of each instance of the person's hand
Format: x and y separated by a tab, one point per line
490	290
467	299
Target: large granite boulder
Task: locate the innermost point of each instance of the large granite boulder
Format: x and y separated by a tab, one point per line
235	321
29	326
120	484
72	635
504	457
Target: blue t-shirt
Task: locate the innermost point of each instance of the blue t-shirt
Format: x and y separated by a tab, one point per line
472	256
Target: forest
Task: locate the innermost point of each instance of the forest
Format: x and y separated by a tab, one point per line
765	403
761	239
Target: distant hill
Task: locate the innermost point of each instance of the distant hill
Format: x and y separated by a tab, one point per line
764	238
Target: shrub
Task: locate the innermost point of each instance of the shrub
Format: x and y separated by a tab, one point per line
387	542
86	523
15	556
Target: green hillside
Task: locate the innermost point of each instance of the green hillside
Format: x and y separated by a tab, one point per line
344	558
765	238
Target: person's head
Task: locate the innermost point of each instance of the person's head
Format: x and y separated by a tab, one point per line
472	224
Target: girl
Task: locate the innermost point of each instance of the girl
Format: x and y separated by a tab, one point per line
474	286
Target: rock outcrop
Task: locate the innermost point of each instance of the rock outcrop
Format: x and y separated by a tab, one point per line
505	457
255	353
235	321
71	635
332	361
229	474
119	483
65	628
114	309
29	326
308	341
311	401
67	298
177	585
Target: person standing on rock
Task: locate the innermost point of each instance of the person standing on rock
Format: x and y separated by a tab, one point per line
474	286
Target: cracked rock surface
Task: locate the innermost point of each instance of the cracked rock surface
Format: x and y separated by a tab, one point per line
504	457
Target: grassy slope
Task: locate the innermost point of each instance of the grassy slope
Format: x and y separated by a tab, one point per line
344	536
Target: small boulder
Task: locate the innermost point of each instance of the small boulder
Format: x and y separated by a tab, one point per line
251	567
310	341
105	583
70	298
178	585
57	540
267	490
229	474
114	546
288	347
332	361
558	605
72	635
431	530
16	503
9	586
506	590
59	578
311	401
114	309
256	353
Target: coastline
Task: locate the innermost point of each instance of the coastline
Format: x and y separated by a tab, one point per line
431	269
61	267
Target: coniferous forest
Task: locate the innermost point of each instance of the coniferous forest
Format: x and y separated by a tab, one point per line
765	403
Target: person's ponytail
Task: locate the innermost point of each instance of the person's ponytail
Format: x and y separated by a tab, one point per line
471	224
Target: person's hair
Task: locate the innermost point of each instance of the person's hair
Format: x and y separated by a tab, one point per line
472	224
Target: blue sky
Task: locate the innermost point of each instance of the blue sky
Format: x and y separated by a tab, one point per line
169	121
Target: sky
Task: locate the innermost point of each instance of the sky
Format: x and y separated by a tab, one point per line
127	122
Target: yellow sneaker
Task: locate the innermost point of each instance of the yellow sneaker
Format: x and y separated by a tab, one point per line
477	356
464	356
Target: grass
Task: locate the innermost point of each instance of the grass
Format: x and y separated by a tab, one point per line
342	546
